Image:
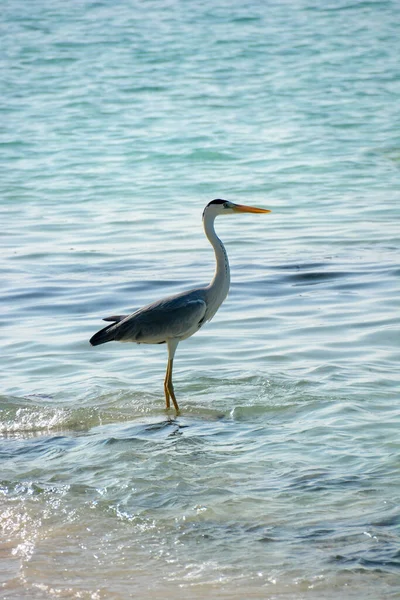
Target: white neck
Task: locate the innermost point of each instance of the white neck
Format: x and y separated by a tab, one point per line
218	289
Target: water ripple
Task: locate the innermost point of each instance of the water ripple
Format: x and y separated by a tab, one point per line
279	478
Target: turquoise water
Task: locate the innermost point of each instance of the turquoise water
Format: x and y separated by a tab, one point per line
280	477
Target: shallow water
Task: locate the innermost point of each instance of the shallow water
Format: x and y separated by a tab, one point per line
280	476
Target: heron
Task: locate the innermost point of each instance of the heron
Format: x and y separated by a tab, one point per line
176	318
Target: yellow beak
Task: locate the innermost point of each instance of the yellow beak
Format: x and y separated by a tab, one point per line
249	209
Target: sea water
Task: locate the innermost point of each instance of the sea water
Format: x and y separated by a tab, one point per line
280	476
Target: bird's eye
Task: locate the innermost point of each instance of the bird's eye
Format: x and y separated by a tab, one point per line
226	204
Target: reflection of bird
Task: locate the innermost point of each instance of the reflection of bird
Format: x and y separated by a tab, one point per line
177	317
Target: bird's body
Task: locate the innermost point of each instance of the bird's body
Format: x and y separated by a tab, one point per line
175	317
178	317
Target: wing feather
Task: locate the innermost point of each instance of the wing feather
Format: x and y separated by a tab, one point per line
176	317
115	318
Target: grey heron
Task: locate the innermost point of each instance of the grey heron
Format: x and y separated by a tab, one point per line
177	317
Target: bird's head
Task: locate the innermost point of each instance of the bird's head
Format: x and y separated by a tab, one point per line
224	207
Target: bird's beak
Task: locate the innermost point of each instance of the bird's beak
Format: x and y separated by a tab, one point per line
249	209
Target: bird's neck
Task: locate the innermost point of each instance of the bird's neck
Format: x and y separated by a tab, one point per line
219	287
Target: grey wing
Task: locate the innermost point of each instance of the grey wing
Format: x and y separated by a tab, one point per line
174	318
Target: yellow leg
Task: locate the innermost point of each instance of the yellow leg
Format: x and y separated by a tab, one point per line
168	386
166	391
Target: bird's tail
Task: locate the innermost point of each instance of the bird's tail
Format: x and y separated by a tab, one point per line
107	334
104	335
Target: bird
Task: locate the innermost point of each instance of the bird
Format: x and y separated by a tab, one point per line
176	318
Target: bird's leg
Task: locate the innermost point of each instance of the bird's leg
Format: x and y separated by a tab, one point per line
166	391
169	384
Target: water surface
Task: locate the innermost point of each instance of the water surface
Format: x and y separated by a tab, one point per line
280	476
